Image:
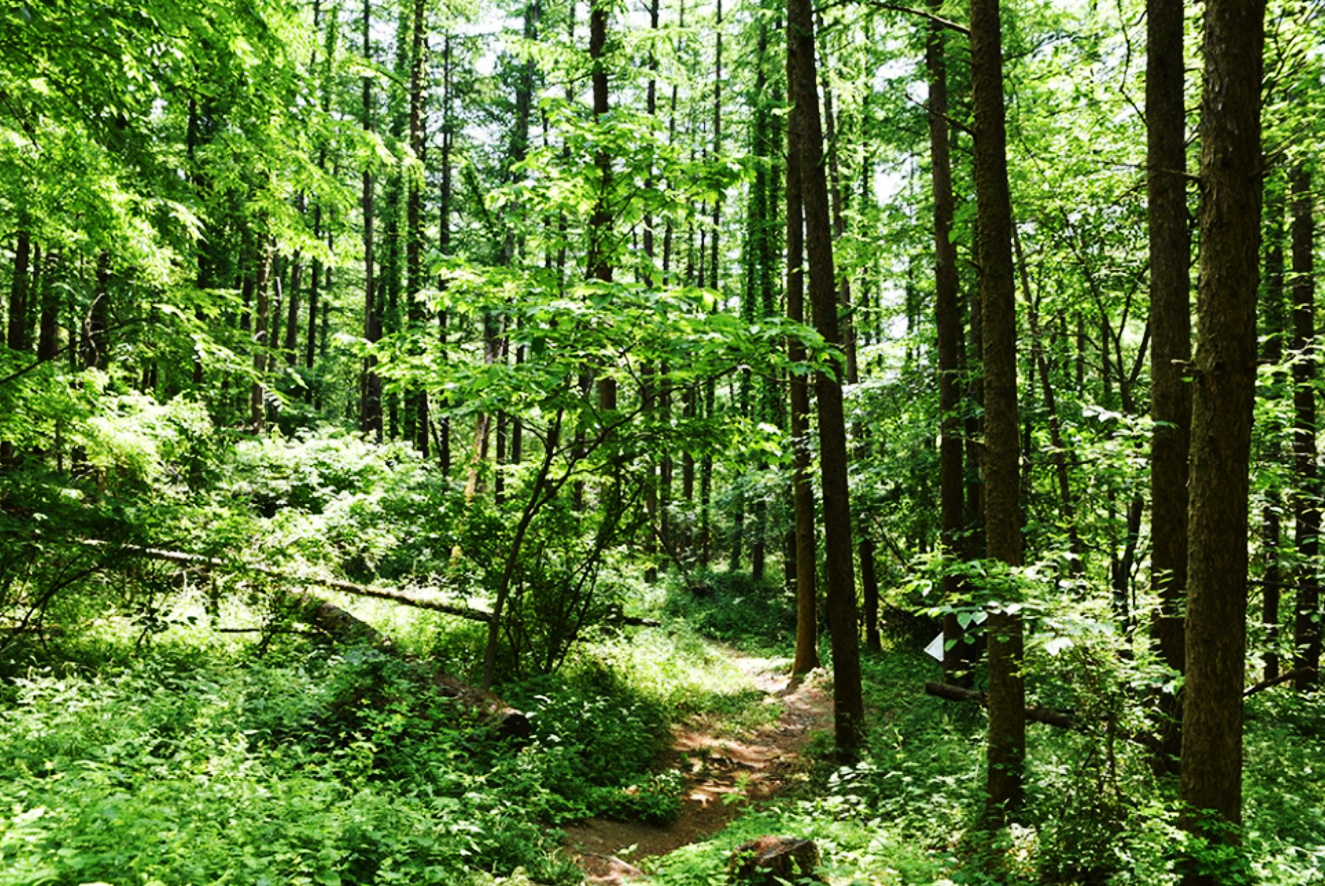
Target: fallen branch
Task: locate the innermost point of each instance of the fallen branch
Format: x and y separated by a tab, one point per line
1282	678
1047	716
358	590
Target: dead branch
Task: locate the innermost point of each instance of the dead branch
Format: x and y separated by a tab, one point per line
1047	716
357	590
1282	678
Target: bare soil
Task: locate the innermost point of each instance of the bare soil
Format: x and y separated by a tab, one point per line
725	772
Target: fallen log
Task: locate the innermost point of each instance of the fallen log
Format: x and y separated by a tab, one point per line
345	626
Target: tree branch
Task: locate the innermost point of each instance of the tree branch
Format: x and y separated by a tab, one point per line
947	24
1047	716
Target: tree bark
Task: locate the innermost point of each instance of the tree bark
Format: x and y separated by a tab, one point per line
600	224
1306	509
257	398
1170	355
95	341
807	143
17	333
1224	390
1274	332
1007	692
370	408
48	301
947	321
802	492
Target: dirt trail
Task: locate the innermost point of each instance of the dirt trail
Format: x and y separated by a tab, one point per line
725	772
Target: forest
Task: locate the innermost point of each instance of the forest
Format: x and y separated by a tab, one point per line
544	442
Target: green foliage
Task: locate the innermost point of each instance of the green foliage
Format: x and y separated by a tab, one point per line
300	768
732	607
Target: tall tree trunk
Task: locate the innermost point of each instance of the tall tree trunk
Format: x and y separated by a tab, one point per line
802	491
1007	691
416	400
370	409
1224	391
600	223
948	321
1306	507
1273	354
444	241
807	144
1170	355
865	545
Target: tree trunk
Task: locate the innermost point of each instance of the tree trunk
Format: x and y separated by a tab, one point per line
807	144
1007	692
1306	509
1224	390
948	321
95	342
257	398
416	401
444	242
48	299
1170	354
17	333
370	408
802	491
1274	332
600	224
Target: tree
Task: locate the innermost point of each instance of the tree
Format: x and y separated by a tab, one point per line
1306	504
947	322
1224	387
807	144
370	396
1170	328
1007	692
802	489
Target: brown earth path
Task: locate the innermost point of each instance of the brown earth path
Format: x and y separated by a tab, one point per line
724	772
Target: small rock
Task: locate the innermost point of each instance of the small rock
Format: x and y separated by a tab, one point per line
607	869
768	860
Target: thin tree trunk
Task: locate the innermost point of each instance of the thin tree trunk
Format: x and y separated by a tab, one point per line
257	401
48	298
1273	355
1306	509
807	142
17	333
802	491
444	244
370	409
600	224
865	545
948	321
95	342
416	401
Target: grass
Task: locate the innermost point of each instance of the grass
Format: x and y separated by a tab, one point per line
188	756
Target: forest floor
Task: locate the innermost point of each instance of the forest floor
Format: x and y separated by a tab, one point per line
728	765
